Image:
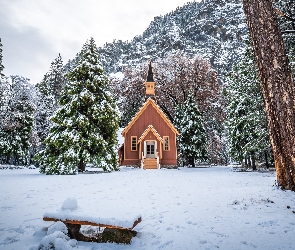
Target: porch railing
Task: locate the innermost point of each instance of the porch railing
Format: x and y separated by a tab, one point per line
142	161
158	160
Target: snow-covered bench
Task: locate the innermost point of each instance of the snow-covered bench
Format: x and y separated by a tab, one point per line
117	229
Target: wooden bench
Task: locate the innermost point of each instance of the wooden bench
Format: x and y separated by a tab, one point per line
111	233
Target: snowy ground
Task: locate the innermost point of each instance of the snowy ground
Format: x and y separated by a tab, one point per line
204	208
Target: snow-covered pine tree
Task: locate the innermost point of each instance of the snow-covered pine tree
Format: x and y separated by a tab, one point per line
85	126
246	120
3	83
1	58
49	91
54	80
4	96
192	141
17	121
46	106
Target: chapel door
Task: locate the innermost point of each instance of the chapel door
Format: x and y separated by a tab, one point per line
150	149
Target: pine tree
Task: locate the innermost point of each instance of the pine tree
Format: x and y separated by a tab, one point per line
1	58
17	121
49	91
54	80
46	107
192	142
85	126
246	119
4	97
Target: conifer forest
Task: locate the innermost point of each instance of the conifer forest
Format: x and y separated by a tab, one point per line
224	73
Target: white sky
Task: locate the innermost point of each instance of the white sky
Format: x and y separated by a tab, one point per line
33	32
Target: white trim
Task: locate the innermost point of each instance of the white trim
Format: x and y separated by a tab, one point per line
132	137
144	149
168	143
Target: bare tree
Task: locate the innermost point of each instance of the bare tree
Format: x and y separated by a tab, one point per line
177	75
129	92
276	84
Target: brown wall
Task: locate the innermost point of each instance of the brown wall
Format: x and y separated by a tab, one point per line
150	117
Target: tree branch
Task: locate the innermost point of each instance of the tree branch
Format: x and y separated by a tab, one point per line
288	32
283	15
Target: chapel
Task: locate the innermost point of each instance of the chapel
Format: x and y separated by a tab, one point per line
150	137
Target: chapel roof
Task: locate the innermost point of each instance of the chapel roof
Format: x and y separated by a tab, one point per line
148	102
152	129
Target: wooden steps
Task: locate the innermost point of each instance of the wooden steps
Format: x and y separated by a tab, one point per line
150	163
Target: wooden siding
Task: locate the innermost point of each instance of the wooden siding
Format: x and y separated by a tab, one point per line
150	116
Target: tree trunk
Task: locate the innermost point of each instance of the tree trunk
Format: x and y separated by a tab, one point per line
192	161
249	161
276	84
253	164
266	159
81	166
7	160
246	162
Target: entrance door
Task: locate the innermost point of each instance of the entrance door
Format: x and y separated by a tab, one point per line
150	149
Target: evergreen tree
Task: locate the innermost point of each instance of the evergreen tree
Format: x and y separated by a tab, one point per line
17	121
54	80
46	107
4	95
1	58
246	120
49	91
192	142
85	126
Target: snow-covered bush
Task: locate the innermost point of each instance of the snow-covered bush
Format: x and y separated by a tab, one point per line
57	238
57	226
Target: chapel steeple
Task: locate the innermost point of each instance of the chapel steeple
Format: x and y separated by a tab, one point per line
150	83
150	76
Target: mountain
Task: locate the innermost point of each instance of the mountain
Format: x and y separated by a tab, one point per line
215	29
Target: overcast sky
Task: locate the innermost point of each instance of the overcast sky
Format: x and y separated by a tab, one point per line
33	32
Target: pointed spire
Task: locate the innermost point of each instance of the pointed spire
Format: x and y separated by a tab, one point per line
150	76
150	83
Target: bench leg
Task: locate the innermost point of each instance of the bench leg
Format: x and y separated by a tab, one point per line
73	230
118	235
108	235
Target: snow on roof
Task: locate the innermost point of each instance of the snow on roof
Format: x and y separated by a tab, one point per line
152	129
157	108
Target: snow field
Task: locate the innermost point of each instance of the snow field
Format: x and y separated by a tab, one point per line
203	208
